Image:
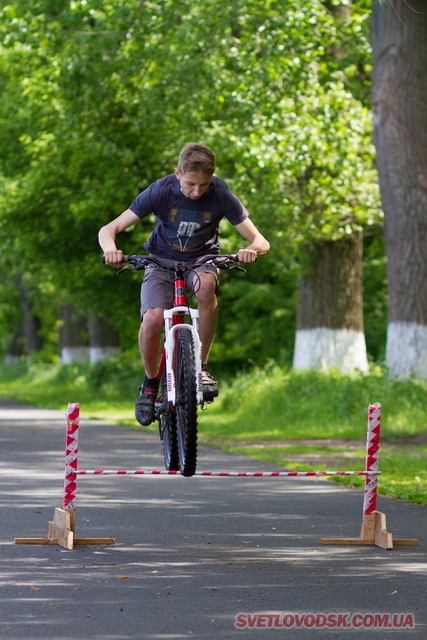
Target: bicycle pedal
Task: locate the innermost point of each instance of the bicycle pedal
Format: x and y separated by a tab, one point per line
160	407
209	395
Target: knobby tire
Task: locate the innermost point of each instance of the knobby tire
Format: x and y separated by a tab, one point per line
186	402
168	431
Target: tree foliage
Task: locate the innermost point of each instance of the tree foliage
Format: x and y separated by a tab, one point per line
98	98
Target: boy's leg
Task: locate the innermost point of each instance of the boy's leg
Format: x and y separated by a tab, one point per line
156	295
149	340
208	312
208	315
204	285
149	343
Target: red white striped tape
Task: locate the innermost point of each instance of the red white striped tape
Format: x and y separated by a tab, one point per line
236	474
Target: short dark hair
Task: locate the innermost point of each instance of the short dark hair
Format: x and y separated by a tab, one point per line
196	157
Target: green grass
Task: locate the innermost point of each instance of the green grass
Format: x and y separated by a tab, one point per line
403	472
278	403
104	391
299	420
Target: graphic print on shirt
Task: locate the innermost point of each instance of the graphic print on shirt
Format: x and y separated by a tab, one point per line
188	230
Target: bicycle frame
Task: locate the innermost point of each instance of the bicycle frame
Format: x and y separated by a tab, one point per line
175	319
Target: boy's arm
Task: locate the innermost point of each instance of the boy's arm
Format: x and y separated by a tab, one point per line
258	244
107	236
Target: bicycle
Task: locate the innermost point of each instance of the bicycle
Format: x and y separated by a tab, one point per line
180	367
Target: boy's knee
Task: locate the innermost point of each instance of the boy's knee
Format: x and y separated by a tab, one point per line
207	289
152	320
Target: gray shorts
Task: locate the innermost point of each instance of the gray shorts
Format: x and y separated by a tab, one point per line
157	289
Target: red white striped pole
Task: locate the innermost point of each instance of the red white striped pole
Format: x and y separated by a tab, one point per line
372	457
71	455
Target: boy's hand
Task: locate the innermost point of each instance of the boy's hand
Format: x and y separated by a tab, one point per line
247	256
114	257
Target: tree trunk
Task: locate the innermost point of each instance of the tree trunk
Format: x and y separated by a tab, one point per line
73	340
399	104
330	313
16	348
32	323
103	339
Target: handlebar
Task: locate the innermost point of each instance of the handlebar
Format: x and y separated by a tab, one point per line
139	262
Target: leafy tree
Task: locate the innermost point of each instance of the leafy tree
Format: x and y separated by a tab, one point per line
306	161
109	91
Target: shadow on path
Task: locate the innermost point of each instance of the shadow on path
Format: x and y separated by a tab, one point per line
190	553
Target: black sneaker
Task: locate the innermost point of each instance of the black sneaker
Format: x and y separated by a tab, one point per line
144	405
210	389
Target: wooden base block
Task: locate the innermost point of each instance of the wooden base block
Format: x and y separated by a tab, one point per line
61	531
374	532
94	541
56	541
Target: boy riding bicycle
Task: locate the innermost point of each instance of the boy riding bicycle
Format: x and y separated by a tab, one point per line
188	205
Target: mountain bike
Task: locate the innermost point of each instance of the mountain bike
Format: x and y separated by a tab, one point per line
180	367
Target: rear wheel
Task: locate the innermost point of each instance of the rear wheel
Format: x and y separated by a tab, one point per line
186	402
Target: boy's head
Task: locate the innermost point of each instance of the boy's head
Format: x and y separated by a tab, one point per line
196	157
196	165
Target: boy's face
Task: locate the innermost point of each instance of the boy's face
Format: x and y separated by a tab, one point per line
193	183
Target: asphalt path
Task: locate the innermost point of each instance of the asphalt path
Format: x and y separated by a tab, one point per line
191	554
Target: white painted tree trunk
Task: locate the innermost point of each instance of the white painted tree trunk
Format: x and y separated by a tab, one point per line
329	331
103	339
74	354
97	354
399	106
10	359
406	352
325	349
73	335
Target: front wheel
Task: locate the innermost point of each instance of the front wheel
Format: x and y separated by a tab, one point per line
170	444
168	433
186	401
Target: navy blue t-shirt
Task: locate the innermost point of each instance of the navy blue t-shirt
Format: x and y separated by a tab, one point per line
186	226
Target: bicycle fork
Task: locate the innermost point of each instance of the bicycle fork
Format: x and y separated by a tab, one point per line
170	331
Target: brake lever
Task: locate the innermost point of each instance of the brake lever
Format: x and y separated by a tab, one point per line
123	270
238	268
229	265
134	267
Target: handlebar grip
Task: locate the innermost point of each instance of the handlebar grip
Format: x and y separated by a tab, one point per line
125	259
235	257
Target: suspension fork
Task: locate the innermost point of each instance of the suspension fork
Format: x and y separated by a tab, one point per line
174	320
